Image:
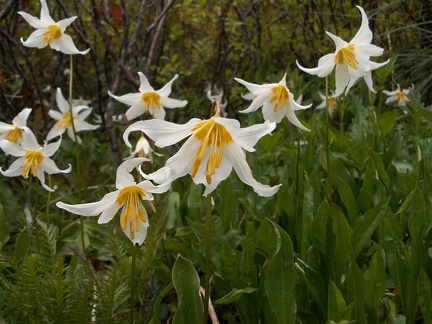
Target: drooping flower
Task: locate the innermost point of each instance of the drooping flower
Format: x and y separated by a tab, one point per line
128	197
220	98
143	149
32	158
64	119
350	59
214	147
49	32
14	132
149	100
331	103
276	101
401	96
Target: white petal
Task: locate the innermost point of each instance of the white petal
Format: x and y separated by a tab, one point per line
144	84
238	160
273	116
158	113
368	80
41	176
12	148
342	79
49	167
368	50
163	133
376	65
123	176
66	45
21	118
324	68
136	110
364	34
219	175
339	42
15	169
51	149
109	212
81	125
255	88
54	114
141	234
35	39
91	209
30	142
247	137
166	90
172	103
54	132
33	21
62	103
127	99
258	101
151	188
293	119
65	22
45	16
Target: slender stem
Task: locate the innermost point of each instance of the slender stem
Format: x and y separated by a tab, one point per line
71	113
49	199
208	263
329	178
374	121
132	286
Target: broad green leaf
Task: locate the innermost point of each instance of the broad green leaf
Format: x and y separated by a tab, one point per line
366	225
235	295
172	209
387	121
356	292
424	295
4	232
375	285
336	307
227	207
187	284
280	279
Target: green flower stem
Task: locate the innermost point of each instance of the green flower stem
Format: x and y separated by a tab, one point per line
374	121
49	198
207	253
329	175
132	285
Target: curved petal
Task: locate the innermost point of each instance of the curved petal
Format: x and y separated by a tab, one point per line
297	106
294	120
109	212
90	209
255	88
62	103
30	142
368	50
21	119
258	101
82	125
144	84
166	90
41	176
33	21
54	132
127	99
339	42
325	66
136	110
65	22
12	148
72	136
272	115
364	34
172	103
123	176
163	133
247	137
54	114
51	149
158	113
66	45
342	79
150	187
35	39
49	167
141	234
45	16
15	169
238	160
219	175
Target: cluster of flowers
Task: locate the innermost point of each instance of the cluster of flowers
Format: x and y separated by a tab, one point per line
214	146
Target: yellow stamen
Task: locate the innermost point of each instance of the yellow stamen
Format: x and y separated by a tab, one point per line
151	99
213	136
133	210
65	122
346	56
400	95
53	32
14	135
331	102
280	96
31	162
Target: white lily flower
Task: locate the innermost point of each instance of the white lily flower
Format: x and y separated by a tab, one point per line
128	197
64	120
149	100
214	147
32	158
143	149
401	96
351	59
331	103
14	132
49	32
276	101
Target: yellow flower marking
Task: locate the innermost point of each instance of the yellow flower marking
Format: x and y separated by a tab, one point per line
65	122
213	137
346	56
53	32
133	210
151	99
14	135
331	102
400	95
280	96
31	162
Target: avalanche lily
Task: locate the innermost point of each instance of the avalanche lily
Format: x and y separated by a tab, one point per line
276	101
128	197
350	59
64	119
49	32
143	149
331	103
14	132
149	100
32	158
214	147
401	96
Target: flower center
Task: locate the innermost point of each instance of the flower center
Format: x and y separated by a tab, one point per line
346	56
31	162
400	95
213	137
133	210
152	100
331	102
280	96
14	135
65	122
53	32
